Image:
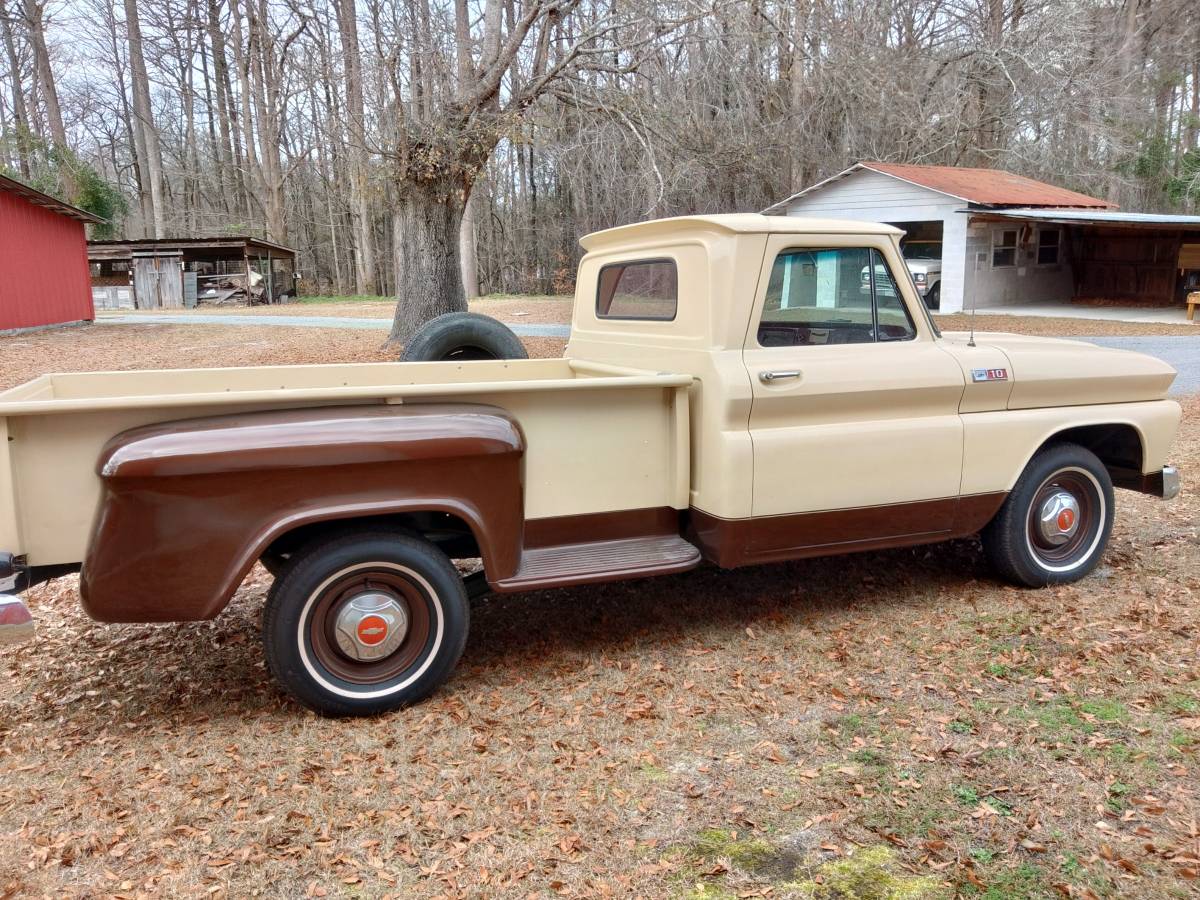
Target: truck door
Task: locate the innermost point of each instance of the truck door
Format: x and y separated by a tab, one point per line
854	420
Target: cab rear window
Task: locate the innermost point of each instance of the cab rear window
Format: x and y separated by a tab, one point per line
639	289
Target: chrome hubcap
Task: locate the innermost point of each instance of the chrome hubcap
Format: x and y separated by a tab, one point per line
370	626
1058	519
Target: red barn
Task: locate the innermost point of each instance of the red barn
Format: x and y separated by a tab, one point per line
44	276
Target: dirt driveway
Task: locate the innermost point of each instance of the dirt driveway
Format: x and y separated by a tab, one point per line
898	721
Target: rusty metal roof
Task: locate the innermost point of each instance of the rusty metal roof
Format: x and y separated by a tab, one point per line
979	187
988	187
37	198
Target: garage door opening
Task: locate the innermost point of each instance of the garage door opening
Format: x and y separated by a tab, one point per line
922	249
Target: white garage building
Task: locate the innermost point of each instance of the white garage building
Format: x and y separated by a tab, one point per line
997	259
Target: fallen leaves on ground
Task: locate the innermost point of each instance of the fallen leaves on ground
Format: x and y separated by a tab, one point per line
706	735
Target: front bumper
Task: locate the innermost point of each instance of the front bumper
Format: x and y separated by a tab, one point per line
1164	484
1171	482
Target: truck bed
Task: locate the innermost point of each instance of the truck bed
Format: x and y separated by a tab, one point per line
598	437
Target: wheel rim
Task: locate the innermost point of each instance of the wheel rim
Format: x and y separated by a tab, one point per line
1065	521
368	625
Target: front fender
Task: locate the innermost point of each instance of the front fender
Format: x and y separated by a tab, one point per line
187	507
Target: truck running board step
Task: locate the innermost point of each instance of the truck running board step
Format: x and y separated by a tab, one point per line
602	561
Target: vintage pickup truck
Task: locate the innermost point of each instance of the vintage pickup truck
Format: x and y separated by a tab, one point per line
730	394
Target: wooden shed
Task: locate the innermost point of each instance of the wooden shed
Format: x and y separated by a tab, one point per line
171	273
43	259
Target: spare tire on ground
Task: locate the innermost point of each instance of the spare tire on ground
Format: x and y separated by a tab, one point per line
463	336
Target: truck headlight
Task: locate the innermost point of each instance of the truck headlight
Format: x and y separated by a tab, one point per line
919	277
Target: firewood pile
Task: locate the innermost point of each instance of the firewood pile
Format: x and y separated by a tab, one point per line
231	290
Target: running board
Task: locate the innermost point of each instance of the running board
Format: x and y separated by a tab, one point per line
595	561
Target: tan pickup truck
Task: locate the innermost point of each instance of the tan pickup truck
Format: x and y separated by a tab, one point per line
734	392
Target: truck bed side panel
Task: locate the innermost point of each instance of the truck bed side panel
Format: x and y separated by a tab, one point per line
187	507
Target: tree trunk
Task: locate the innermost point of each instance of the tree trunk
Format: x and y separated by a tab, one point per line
20	116
1193	126
360	195
145	118
467	248
34	20
425	226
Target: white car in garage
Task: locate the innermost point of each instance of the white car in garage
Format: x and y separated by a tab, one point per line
924	261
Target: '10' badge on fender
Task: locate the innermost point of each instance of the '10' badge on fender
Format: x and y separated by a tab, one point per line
989	374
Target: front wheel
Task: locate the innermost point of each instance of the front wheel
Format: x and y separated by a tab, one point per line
1054	526
365	623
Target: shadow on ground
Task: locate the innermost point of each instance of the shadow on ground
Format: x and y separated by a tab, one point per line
180	672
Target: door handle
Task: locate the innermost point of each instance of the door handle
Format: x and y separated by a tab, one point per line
772	377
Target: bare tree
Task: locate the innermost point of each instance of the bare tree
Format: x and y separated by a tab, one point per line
16	91
479	139
145	130
446	132
364	244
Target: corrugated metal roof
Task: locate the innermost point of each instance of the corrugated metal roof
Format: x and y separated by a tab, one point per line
37	198
119	248
1097	217
984	187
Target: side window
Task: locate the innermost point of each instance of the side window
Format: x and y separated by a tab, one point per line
640	289
841	296
1047	247
1004	248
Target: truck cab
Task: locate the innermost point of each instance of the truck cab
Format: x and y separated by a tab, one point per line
826	418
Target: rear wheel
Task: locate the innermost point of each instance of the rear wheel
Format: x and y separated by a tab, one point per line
365	623
1054	526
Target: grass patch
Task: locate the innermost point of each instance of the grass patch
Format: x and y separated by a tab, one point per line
965	794
850	724
1002	807
716	843
874	764
1025	882
870	874
1119	754
1105	710
702	891
344	298
654	773
1117	792
919	817
1181	705
1182	741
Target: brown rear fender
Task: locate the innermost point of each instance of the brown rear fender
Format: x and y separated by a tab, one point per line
187	507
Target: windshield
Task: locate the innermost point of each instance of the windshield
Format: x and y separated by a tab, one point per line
922	250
